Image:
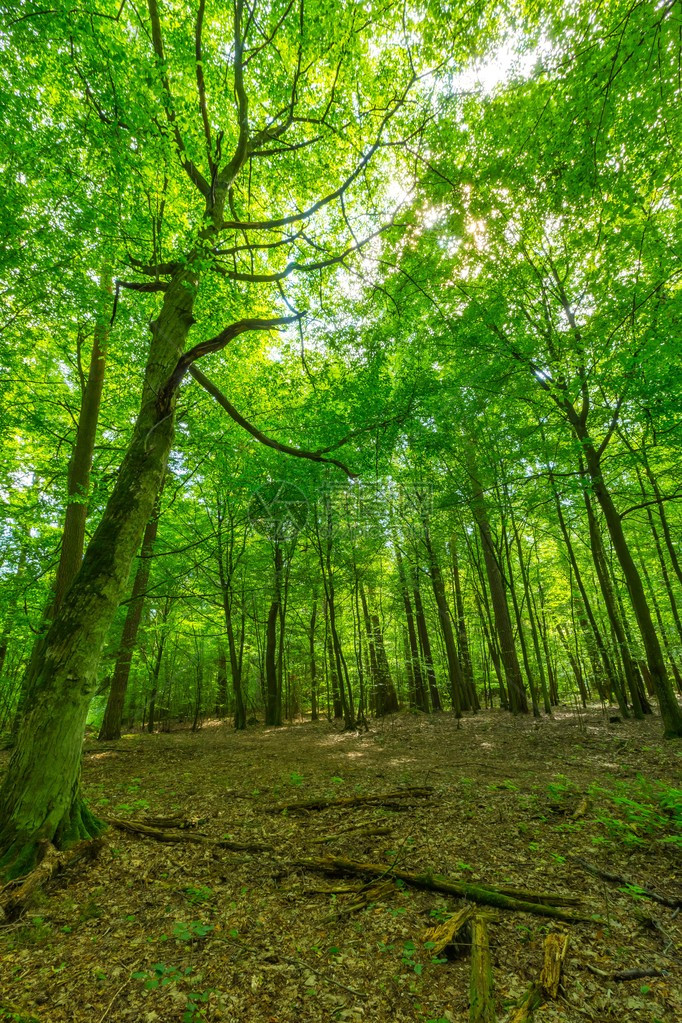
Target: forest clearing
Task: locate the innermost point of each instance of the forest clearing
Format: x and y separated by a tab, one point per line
183	931
340	511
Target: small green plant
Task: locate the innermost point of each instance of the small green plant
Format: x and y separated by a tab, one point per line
560	788
199	895
183	931
9	1015
409	951
295	778
160	975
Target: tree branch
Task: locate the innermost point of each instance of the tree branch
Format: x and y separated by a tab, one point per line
286	449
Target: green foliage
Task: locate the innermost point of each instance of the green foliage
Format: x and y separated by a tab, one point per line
640	812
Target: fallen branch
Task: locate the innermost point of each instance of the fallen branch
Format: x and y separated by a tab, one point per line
359	829
378	799
606	875
370	893
635	974
481	992
431	882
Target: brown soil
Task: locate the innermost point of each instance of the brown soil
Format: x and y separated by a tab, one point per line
186	932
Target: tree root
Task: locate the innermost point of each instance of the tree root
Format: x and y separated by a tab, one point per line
139	828
16	895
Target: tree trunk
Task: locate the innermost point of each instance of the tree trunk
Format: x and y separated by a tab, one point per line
668	705
438	587
425	645
420	695
512	670
314	713
273	692
113	715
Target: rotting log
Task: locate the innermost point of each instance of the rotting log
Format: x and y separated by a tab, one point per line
481	991
376	799
555	953
433	882
548	898
451	936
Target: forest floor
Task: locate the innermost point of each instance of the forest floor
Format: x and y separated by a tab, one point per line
155	932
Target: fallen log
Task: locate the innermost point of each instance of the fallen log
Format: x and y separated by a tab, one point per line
548	898
607	875
435	883
16	896
555	953
377	799
481	992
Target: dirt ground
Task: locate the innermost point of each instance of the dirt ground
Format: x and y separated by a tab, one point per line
188	932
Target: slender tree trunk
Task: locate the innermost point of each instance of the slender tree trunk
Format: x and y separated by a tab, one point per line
420	695
221	684
515	687
462	636
273	701
610	674
314	714
113	715
605	585
425	645
438	587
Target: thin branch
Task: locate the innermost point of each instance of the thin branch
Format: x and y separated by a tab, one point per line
286	449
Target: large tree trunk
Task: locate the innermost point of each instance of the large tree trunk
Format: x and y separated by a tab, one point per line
40	798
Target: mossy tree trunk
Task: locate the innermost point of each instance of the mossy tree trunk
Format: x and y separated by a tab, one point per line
40	797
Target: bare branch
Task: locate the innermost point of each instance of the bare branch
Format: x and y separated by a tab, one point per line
286	449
